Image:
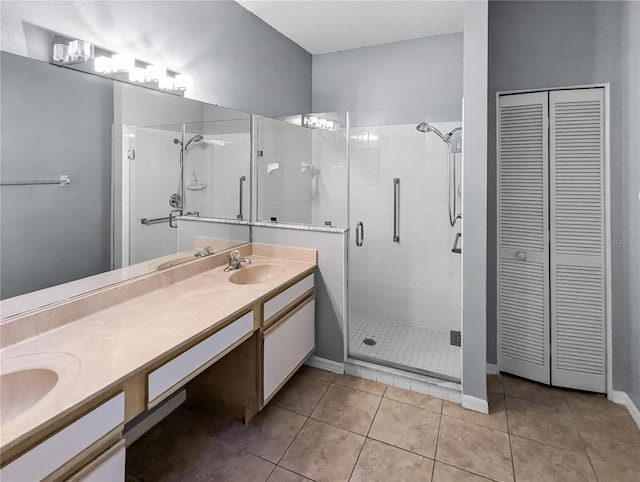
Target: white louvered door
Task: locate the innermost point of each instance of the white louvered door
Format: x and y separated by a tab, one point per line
523	236
577	209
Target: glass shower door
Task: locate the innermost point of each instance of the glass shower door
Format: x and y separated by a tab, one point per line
404	279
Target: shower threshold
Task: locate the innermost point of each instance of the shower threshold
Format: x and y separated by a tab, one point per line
404	347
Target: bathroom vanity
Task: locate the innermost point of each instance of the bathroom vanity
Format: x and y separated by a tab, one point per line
76	373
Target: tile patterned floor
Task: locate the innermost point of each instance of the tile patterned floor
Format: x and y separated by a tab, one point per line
404	345
325	427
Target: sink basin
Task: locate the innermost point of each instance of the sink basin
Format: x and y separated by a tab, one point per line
251	275
23	389
25	380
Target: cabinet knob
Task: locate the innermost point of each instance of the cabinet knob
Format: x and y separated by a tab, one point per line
521	255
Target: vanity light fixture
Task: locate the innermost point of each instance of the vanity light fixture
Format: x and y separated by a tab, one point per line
78	53
315	122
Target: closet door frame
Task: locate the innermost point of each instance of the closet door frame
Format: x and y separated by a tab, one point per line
607	212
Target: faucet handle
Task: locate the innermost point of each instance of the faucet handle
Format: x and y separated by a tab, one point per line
235	254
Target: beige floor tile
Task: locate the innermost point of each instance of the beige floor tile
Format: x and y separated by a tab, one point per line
283	475
363	384
406	426
494	384
477	449
534	392
170	449
414	398
612	472
268	434
347	408
301	394
323	452
317	373
446	473
384	463
538	462
542	423
497	417
228	463
590	403
614	437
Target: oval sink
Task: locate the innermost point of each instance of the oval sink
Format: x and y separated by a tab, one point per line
23	389
251	275
25	380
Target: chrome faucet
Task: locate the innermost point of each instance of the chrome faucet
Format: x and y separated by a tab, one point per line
235	261
208	251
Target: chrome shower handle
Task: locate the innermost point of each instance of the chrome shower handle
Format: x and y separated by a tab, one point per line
396	209
242	179
359	234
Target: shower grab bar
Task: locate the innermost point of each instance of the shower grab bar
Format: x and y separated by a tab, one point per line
241	182
396	209
147	221
359	234
62	181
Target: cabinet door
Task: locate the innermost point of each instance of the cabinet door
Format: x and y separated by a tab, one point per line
578	311
523	235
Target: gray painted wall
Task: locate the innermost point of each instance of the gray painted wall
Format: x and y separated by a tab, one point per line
552	44
398	83
235	58
54	121
474	206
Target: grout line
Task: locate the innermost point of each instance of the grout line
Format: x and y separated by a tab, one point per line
435	452
463	470
584	444
506	414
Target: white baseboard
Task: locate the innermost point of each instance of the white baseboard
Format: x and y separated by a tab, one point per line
324	364
492	369
624	399
155	418
475	404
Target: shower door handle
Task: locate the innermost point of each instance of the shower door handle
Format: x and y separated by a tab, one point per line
359	234
241	182
396	209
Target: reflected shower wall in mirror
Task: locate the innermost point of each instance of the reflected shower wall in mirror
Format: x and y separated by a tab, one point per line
302	169
57	121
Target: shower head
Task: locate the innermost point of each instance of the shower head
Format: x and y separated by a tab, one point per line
196	138
424	127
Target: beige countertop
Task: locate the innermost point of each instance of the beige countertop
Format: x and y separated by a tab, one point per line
111	345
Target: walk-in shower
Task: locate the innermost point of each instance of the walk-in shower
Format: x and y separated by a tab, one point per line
176	200
404	314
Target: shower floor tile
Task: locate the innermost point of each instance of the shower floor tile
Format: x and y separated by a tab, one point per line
404	346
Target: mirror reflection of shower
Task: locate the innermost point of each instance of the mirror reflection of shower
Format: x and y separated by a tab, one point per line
452	175
176	200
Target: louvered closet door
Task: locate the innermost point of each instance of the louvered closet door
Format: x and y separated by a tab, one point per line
523	236
578	351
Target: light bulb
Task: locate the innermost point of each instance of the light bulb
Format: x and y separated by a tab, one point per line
155	73
60	52
183	82
102	65
123	62
166	82
137	74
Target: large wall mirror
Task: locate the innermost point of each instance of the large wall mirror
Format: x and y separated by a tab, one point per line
95	174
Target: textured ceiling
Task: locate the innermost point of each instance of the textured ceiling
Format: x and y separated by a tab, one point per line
322	26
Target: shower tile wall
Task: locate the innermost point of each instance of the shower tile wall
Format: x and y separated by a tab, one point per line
153	177
416	281
330	182
218	161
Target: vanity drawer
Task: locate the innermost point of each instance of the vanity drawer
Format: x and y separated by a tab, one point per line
286	346
190	363
107	467
61	447
288	296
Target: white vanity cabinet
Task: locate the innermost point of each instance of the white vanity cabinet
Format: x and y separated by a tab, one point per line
49	456
288	336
